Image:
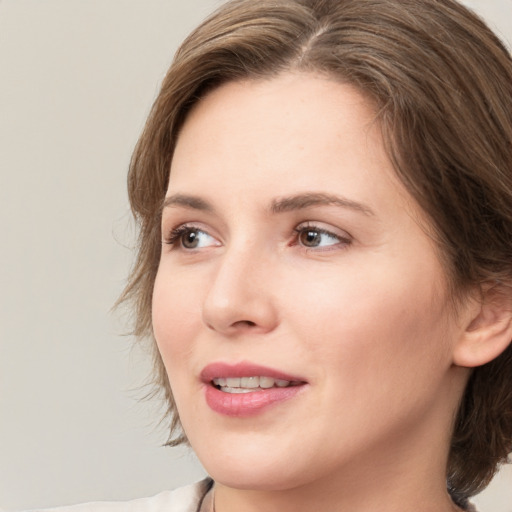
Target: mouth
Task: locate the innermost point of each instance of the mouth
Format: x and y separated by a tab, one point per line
250	384
245	389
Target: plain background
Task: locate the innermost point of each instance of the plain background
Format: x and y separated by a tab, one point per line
77	79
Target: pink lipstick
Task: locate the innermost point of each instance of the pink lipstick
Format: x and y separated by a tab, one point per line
246	389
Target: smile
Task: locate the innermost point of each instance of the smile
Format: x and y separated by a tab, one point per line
250	384
245	389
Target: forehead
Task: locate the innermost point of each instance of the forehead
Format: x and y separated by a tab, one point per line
290	134
289	113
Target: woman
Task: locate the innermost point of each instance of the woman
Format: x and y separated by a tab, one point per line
324	194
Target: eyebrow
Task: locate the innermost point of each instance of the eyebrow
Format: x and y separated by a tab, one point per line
282	205
186	201
308	200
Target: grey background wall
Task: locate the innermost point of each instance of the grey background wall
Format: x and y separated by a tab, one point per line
77	78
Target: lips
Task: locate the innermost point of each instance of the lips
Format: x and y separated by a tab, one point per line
246	389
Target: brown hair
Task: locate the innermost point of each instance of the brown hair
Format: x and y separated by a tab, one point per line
442	82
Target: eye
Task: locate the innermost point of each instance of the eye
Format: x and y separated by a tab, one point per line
313	237
190	237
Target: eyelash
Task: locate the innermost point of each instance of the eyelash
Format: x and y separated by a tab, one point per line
176	236
343	241
177	233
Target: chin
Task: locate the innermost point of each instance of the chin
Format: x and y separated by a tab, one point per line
255	478
247	463
261	462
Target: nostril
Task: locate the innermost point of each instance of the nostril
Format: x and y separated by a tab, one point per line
245	323
239	324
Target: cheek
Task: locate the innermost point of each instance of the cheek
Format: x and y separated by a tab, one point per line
175	314
373	322
379	351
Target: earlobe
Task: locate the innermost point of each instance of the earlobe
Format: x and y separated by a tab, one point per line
488	330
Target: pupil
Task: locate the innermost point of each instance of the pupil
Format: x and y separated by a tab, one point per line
311	238
190	240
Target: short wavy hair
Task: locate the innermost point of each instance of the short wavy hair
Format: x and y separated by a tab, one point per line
442	83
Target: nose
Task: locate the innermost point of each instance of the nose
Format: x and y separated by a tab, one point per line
240	298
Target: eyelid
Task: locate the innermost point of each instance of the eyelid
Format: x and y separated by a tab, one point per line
173	235
324	227
344	238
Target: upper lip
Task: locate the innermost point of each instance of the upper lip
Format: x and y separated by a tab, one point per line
244	369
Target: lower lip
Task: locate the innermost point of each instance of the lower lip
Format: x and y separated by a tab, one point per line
248	404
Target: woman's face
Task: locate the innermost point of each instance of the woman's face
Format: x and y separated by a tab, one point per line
300	309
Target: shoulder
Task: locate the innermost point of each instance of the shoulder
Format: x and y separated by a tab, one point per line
184	499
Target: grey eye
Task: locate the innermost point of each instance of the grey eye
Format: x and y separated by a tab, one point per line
190	239
314	237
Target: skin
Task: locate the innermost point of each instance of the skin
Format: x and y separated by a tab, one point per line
362	314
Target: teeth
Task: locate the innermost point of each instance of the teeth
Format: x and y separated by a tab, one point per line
266	382
237	390
248	384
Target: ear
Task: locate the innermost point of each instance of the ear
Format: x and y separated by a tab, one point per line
488	327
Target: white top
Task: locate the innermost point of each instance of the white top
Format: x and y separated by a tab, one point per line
197	497
184	499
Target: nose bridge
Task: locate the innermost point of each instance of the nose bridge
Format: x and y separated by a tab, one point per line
239	294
